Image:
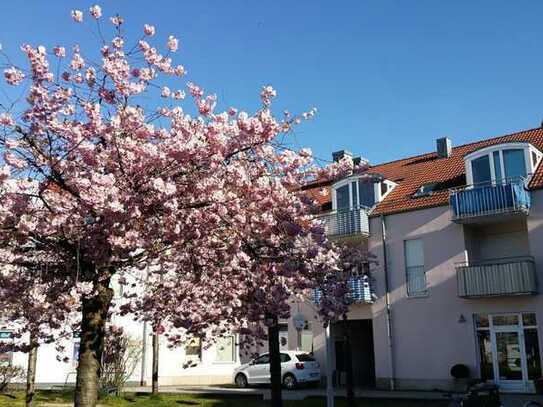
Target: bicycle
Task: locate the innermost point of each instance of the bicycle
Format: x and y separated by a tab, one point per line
482	395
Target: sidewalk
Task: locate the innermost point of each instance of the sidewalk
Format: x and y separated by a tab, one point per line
509	400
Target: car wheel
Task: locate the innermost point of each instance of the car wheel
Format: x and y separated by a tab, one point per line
289	381
241	380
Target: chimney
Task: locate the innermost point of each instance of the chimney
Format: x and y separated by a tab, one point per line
444	147
338	155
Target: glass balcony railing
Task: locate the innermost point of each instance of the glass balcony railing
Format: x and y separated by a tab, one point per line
503	277
482	200
346	222
360	291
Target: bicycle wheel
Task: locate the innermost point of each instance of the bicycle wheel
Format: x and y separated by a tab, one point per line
532	403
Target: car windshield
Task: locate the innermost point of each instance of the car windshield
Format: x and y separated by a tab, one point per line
305	357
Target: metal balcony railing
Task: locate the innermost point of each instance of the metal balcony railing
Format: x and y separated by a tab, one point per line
346	222
360	291
491	198
502	277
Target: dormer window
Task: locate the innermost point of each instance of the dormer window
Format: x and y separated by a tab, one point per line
356	192
501	162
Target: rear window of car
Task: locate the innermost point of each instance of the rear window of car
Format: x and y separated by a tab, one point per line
285	358
305	357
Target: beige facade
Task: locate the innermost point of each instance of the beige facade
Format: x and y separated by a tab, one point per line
431	332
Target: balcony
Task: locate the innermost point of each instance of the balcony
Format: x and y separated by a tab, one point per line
346	222
360	291
477	203
503	277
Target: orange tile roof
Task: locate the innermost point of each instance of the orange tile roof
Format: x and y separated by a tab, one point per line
413	172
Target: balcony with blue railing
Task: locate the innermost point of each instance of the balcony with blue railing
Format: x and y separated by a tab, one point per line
474	203
360	291
346	222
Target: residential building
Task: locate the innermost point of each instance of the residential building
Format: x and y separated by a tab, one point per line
457	235
458	238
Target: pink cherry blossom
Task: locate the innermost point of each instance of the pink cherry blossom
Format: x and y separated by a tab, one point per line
77	16
173	43
118	42
6	119
149	30
180	70
95	11
116	20
166	92
13	76
207	207
59	52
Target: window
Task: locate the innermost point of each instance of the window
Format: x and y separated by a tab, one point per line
513	162
384	188
226	350
5	357
75	354
363	191
414	266
480	168
304	357
425	190
503	161
343	197
284	358
366	193
193	348
262	360
497	165
283	336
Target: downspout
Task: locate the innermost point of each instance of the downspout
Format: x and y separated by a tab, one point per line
387	305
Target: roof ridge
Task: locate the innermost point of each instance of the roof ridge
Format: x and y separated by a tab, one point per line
455	147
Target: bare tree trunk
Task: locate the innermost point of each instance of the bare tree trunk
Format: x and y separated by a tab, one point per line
275	361
93	326
31	372
155	361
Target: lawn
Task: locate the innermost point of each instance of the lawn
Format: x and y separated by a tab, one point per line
58	399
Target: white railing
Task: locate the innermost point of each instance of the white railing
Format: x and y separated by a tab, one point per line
346	222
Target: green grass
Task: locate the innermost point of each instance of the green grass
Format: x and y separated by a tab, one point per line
180	400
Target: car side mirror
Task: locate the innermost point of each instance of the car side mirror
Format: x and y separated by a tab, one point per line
252	362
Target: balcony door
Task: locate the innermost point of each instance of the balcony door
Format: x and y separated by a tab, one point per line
509	350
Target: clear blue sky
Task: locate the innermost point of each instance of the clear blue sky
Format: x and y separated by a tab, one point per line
388	77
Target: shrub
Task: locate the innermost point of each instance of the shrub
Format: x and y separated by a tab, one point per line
9	373
119	360
460	371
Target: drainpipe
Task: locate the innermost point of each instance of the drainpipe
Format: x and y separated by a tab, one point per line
387	304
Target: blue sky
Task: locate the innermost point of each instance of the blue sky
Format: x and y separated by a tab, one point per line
388	77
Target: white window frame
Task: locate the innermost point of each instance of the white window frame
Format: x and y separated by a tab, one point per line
489	151
349	181
422	293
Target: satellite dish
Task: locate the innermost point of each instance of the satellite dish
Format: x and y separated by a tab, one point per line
299	321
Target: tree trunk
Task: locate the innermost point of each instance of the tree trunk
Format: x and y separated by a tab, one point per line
275	362
348	364
93	329
155	361
31	373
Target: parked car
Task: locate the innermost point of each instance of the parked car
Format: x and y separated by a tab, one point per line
296	368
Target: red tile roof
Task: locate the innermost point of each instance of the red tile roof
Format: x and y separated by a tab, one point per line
411	173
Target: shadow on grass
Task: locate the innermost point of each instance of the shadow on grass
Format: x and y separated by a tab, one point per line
9	396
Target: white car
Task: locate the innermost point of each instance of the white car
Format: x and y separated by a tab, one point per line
296	367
